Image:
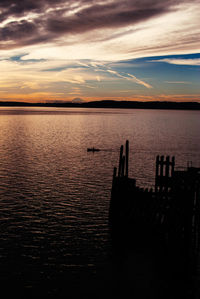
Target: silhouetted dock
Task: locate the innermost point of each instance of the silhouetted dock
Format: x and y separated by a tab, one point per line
164	220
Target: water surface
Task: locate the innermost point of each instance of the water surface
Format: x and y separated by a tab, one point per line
54	195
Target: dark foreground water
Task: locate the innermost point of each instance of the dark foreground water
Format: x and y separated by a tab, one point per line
54	195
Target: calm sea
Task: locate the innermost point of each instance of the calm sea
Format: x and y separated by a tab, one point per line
54	195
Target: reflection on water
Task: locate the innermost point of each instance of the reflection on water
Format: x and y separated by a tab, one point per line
54	195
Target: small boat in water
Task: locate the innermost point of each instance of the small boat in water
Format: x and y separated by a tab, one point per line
92	149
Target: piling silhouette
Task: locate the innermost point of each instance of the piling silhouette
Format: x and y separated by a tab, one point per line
163	222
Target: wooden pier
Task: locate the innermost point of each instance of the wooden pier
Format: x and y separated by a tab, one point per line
164	219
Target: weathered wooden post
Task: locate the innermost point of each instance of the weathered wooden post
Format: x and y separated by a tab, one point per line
127	156
173	165
167	164
123	166
161	172
161	165
120	160
114	172
157	165
167	167
157	171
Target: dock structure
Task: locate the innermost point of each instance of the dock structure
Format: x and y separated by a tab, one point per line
167	217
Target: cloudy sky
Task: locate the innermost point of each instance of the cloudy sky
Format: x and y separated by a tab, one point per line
58	50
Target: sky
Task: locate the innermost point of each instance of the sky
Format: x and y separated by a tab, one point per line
64	50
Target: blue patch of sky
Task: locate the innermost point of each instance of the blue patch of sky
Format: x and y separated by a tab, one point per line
56	69
62	68
158	73
147	59
18	58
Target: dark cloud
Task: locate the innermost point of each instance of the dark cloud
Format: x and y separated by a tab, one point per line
89	20
16	8
17	34
18	30
52	18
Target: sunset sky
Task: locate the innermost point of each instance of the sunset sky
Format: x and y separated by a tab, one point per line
60	50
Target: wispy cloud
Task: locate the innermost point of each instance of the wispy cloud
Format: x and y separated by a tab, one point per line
180	61
177	82
130	77
75	91
99	29
60	48
31	22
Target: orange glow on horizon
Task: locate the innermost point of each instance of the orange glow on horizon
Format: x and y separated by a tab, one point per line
45	97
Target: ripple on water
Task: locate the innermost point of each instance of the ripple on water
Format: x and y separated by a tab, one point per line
54	195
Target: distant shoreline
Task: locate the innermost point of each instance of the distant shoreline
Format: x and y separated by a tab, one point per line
111	104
